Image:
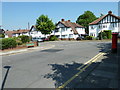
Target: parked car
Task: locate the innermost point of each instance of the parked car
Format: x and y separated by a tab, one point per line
45	39
37	39
79	38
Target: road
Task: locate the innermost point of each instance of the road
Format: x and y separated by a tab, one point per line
52	67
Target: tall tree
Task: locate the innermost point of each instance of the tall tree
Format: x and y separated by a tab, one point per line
85	19
44	24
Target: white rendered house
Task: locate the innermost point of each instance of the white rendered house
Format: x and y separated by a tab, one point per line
107	22
68	30
34	33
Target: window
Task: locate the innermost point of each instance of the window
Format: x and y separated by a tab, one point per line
70	35
56	30
63	36
63	29
92	27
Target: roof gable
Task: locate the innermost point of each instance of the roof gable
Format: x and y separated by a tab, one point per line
101	18
72	25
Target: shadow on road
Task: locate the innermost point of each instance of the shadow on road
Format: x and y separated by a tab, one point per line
100	74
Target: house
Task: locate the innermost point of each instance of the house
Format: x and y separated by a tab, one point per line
2	31
16	33
68	30
34	33
106	22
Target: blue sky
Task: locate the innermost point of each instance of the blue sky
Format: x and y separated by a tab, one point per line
16	15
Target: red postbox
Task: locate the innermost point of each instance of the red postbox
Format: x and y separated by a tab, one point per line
114	42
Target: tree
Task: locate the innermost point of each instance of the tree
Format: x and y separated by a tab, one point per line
44	25
85	19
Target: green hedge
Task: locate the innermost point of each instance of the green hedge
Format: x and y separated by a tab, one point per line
106	34
7	43
89	37
53	38
24	38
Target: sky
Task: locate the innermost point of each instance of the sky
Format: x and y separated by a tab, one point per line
16	15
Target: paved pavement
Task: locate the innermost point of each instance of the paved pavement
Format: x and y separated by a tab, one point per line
51	68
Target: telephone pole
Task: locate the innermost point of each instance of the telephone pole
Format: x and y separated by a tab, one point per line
28	25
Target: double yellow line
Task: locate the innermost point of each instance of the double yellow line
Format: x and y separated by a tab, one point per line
85	65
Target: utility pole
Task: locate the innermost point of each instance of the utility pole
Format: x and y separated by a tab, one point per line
28	25
0	26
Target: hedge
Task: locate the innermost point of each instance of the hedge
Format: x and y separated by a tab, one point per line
24	38
53	38
89	37
7	43
106	34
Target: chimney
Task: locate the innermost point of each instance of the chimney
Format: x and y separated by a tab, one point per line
68	20
62	19
110	12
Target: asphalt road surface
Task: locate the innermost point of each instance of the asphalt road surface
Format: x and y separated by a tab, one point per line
52	67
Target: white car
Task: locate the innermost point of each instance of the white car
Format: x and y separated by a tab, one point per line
37	39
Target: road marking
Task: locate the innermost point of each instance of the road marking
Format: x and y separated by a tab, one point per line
89	61
81	70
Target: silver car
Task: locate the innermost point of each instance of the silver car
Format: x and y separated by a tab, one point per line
37	39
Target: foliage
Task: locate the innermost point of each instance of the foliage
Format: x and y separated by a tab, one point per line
2	35
89	38
106	34
53	38
44	24
18	40
85	19
7	43
24	38
105	37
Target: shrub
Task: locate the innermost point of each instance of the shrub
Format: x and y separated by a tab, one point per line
7	43
105	37
108	34
89	37
18	40
2	35
53	38
24	38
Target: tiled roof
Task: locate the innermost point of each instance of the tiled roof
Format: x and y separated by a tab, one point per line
70	24
99	19
9	33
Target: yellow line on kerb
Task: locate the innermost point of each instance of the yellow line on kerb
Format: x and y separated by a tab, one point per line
81	69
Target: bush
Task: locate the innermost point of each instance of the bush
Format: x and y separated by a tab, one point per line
7	43
105	37
18	40
107	34
2	35
24	38
53	38
89	38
